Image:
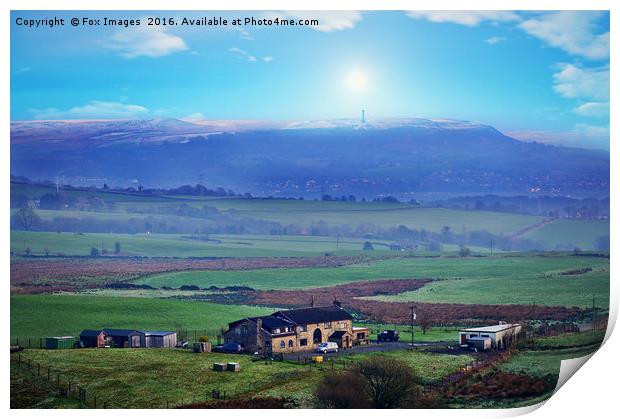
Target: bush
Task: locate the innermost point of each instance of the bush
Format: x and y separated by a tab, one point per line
203	338
379	382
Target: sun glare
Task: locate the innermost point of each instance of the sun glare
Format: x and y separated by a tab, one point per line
356	81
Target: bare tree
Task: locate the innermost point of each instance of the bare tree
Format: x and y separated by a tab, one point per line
380	382
25	218
389	381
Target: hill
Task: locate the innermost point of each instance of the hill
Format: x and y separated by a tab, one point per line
405	157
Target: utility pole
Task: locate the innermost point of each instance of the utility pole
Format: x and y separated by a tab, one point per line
412	319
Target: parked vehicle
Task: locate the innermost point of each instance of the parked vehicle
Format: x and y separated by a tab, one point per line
388	336
229	348
326	347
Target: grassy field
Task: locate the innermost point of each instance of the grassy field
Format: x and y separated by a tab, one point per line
218	245
150	378
488	280
35	316
571	340
579	233
543	363
573	290
177	245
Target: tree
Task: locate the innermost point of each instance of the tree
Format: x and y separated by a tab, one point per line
464	251
117	248
389	381
379	382
425	324
94	252
368	246
25	218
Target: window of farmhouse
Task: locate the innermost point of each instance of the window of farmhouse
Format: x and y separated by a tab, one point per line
290	343
276	330
282	344
237	330
303	342
328	325
245	330
303	328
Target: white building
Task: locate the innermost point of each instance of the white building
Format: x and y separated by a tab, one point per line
501	335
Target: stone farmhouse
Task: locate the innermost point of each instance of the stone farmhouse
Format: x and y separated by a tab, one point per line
297	330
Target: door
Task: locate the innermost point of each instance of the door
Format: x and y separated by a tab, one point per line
317	336
463	339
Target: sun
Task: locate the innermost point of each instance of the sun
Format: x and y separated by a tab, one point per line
356	80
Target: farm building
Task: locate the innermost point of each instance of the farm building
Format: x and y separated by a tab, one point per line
361	335
125	338
159	339
295	330
93	338
59	342
501	336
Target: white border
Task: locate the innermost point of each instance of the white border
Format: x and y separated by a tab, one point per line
593	391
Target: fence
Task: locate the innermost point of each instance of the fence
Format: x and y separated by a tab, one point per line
65	385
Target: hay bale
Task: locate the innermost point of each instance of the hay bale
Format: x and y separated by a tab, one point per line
233	366
219	366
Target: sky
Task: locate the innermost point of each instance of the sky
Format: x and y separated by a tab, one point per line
540	76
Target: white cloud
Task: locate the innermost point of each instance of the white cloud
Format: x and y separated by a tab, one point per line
328	21
145	41
575	82
92	110
247	55
572	31
467	18
268	59
494	40
595	109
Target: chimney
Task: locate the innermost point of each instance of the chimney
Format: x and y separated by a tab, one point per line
312	301
337	303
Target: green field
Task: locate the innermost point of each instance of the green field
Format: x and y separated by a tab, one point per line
504	279
578	233
179	245
570	340
543	363
148	378
520	288
36	316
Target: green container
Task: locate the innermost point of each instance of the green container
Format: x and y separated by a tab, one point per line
60	342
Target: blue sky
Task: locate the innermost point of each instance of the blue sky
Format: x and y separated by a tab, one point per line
536	76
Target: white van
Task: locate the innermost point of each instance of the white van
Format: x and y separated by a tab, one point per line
326	347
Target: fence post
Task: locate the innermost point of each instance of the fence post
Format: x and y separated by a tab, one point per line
95	401
48	373
40	343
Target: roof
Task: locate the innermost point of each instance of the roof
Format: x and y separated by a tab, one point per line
360	329
314	314
491	329
91	333
60	337
120	332
156	333
272	322
338	334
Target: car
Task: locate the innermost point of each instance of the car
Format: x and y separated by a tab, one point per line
388	336
326	347
230	348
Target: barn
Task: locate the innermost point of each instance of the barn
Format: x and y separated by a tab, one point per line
93	338
125	338
502	336
160	339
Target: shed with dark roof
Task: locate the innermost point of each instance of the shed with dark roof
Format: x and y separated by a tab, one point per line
93	338
125	338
